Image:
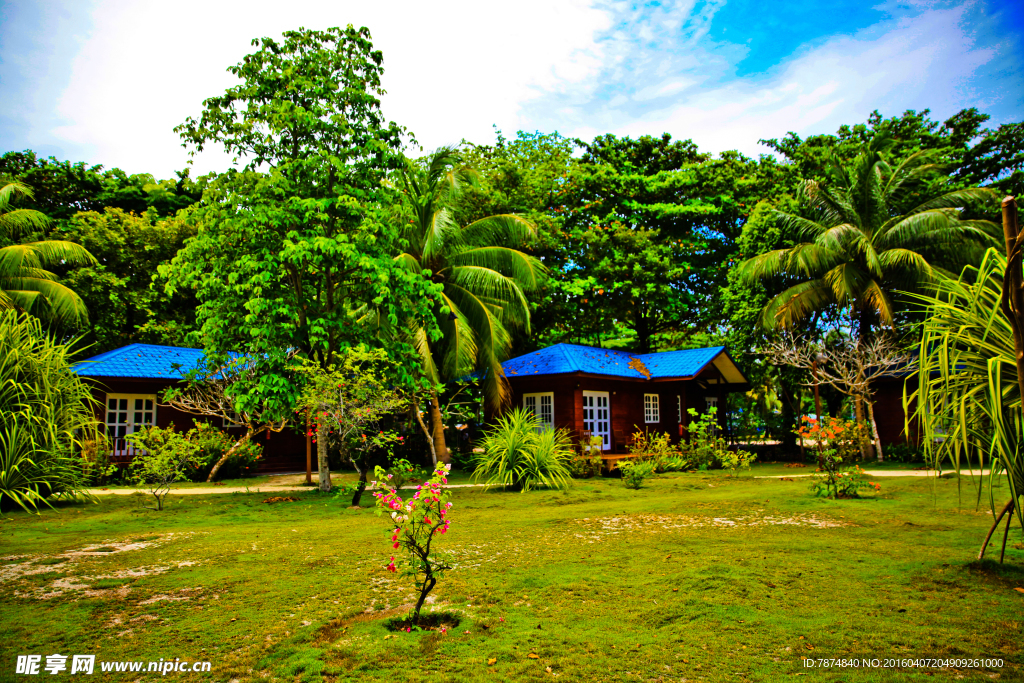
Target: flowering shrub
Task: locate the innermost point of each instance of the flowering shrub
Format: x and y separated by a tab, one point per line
837	481
416	523
842	436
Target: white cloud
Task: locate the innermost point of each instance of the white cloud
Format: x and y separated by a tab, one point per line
451	70
930	60
582	67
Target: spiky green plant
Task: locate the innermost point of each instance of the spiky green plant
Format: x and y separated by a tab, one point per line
46	413
964	394
25	284
518	454
876	227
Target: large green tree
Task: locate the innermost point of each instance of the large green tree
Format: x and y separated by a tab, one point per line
684	208
25	282
290	246
483	273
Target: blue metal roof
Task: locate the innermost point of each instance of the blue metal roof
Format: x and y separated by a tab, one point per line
569	358
141	361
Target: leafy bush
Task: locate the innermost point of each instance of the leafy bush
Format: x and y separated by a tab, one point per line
588	462
904	452
657	447
97	467
46	413
162	457
211	444
519	455
706	449
634	472
402	472
837	481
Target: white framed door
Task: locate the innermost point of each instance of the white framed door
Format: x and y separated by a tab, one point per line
596	416
126	414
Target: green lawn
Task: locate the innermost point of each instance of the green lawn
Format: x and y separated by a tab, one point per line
695	577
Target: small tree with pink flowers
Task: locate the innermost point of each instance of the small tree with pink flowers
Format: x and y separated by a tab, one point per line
416	522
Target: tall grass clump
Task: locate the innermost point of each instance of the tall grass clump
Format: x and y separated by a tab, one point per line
46	413
518	454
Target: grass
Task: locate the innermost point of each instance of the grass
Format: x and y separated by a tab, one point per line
687	578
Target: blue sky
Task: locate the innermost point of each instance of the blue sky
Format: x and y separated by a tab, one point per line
105	81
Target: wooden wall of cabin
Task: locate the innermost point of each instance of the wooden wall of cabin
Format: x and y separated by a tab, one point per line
568	400
282	451
889	414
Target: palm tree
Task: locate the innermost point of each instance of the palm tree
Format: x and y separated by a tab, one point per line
869	235
24	283
484	277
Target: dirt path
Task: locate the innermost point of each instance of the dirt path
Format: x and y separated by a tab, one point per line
888	473
277	484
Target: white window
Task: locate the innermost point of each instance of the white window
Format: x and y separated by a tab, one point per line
711	402
543	406
128	413
652	411
679	408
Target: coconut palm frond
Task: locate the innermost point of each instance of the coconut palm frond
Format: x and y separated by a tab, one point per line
458	343
441	232
19	222
796	303
46	299
493	342
524	270
502	229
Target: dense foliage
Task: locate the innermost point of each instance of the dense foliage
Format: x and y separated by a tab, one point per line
46	413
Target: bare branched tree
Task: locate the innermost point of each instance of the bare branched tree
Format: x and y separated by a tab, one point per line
850	367
209	394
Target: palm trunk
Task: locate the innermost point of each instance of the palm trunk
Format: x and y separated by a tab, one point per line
227	454
437	429
323	467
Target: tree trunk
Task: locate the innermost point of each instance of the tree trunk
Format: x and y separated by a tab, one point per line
437	428
361	484
228	453
865	448
324	468
874	430
426	432
428	584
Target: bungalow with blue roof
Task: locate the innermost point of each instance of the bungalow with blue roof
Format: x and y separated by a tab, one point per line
127	383
613	394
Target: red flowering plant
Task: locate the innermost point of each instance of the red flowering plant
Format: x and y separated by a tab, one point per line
415	525
839	441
